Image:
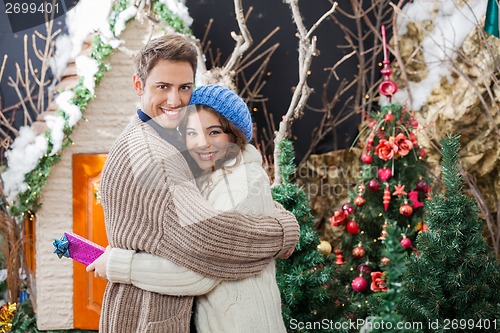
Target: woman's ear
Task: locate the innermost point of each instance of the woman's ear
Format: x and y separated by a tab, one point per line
138	87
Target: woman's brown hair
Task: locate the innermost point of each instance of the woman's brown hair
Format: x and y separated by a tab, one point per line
237	137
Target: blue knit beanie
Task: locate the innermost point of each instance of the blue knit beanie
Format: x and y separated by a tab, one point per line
227	103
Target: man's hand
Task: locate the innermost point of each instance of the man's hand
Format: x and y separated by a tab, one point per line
99	265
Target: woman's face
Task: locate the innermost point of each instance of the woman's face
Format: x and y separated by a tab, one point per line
205	139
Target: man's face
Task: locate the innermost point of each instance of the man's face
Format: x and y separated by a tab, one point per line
166	92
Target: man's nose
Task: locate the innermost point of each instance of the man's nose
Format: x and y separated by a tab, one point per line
173	98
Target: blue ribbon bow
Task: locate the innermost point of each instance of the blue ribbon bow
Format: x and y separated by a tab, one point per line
61	247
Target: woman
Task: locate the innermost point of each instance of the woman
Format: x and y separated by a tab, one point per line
230	175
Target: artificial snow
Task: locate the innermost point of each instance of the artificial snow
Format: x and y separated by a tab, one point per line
22	158
451	26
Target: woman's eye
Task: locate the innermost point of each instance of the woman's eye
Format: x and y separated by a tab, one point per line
214	132
190	133
162	86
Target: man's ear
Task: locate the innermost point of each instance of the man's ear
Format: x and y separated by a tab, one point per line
138	87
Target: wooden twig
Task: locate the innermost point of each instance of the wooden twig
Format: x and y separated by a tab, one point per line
243	41
493	228
307	49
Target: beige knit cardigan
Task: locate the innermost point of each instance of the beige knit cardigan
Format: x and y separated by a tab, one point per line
151	203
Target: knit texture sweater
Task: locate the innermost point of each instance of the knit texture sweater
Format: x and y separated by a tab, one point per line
247	305
152	204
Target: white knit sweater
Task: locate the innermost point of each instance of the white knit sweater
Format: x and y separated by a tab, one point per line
248	305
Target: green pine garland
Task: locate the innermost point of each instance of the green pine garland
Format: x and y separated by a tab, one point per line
304	277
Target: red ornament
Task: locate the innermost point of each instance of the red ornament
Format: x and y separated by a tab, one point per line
389	117
385	261
386	199
339	259
399	190
422	153
347	208
373	185
367	158
364	268
352	228
421	185
405	209
413	195
359	284
406	242
384	232
358	252
359	201
413	122
384	174
339	218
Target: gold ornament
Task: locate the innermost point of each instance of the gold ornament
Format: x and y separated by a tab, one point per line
7	312
324	248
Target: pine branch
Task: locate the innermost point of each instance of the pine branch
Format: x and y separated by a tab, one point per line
452	177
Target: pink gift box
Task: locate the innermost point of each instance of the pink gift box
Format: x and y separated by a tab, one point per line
83	250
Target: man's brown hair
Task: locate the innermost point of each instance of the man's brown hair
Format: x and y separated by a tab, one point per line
171	47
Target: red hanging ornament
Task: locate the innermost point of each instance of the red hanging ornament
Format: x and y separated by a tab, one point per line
373	185
384	174
386	199
421	185
406	242
358	252
347	208
359	201
405	209
384	232
385	261
367	158
352	228
339	259
413	195
399	190
387	87
359	284
389	117
365	268
339	218
361	187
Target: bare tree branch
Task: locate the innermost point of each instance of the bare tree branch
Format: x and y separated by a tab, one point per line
307	49
243	41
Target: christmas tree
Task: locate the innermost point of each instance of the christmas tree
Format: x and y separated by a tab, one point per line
303	278
452	285
392	188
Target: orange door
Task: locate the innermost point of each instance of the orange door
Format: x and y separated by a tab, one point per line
88	221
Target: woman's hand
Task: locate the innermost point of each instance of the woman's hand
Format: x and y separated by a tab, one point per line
285	255
99	265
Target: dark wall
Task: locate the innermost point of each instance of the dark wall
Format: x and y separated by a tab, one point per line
266	15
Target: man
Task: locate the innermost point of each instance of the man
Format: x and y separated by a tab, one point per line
151	202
